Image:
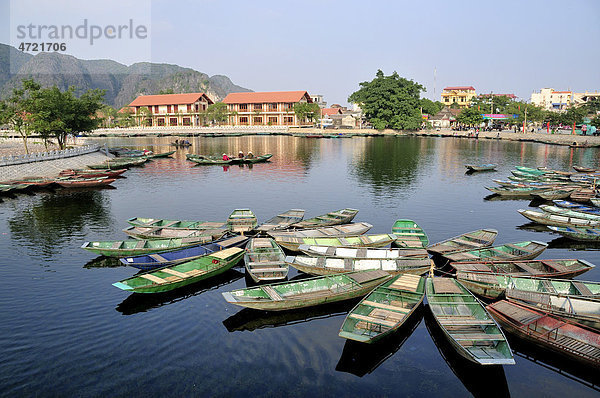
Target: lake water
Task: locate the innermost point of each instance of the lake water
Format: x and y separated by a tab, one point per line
65	331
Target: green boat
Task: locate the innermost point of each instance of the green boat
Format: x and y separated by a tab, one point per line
526	250
467	241
361	252
518	191
335	231
281	221
342	216
159	155
410	235
173	224
256	159
241	220
561	211
335	265
385	309
578	233
208	160
471	331
562	268
293	243
167	233
575	301
556	220
114	164
264	260
183	274
134	247
529	170
307	292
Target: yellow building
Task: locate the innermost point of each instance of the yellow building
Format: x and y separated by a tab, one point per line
265	109
170	109
461	95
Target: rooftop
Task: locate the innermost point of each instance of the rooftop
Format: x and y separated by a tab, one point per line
264	97
460	88
169	99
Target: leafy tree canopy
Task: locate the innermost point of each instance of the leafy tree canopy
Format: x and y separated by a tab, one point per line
470	116
390	102
430	107
307	111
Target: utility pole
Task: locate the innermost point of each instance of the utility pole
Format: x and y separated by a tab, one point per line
525	120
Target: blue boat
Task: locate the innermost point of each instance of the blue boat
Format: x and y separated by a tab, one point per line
156	260
577	207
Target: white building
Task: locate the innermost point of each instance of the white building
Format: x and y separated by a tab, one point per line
552	100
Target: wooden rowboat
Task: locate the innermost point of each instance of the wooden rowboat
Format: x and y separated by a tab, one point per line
578	233
385	309
84	183
526	250
157	260
595	201
562	268
281	221
575	301
410	235
334	231
241	220
582	169
159	155
561	193
468	327
467	241
518	191
569	340
334	265
264	260
91	173
134	247
343	216
176	276
166	233
556	220
206	160
115	164
292	243
481	167
256	159
561	211
577	207
307	292
173	224
361	253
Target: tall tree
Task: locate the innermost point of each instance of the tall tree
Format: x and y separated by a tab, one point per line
307	111
390	102
470	116
430	107
217	113
16	111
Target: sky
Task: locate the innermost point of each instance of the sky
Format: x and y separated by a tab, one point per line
328	47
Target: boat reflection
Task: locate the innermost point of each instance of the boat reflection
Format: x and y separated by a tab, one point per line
249	319
139	302
481	381
566	243
495	197
360	359
533	227
549	360
104	262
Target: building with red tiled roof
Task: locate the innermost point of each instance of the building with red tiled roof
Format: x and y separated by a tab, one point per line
170	109
460	95
274	108
331	111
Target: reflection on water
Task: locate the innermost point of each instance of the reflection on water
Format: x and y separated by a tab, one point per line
481	381
570	244
139	302
104	262
249	319
360	359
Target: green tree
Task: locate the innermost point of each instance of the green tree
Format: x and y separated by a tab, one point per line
430	107
217	113
488	103
596	122
125	117
307	111
390	102
470	117
16	111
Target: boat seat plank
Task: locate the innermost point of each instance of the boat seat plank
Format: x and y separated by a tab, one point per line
529	269
519	248
196	272
232	241
223	254
173	272
464	242
368	275
268	270
158	258
372	320
117	245
265	263
154	279
385	306
140	244
272	293
557	266
463	322
261	243
548	287
583	289
476	336
444	285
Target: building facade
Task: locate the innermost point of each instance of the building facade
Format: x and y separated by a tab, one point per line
461	95
170	110
583	98
265	108
552	100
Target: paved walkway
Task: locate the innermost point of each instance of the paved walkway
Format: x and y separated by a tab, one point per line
50	168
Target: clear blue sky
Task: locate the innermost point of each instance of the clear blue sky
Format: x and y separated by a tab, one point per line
328	47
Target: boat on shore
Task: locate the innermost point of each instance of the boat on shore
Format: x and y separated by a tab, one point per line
467	241
556	220
242	220
119	163
481	167
135	247
410	235
145	222
578	233
569	340
281	221
466	324
176	276
293	243
165	233
335	231
343	216
361	253
307	292
151	261
264	260
91	173
526	250
384	310
335	265
561	268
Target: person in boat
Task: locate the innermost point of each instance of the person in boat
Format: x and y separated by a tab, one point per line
176	142
250	155
225	157
241	155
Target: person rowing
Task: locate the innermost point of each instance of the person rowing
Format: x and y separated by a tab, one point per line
225	157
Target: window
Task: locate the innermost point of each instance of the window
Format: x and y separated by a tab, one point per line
160	121
150	109
155	108
175	108
168	108
273	107
288	120
172	121
288	107
149	122
273	120
243	107
258	120
187	121
189	108
243	119
258	107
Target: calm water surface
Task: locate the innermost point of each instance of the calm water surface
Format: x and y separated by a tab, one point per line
66	331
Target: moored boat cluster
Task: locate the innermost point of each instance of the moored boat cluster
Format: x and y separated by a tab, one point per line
393	273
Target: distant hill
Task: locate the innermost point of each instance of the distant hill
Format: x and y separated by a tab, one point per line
122	83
